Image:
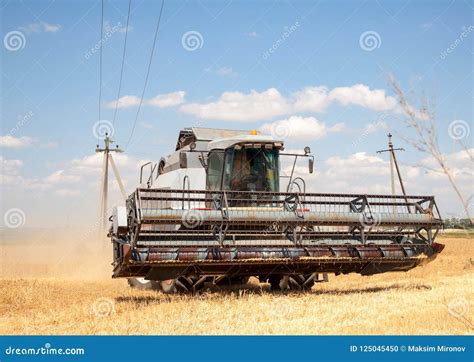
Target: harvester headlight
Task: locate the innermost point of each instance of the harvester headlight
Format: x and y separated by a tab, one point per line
192	146
307	150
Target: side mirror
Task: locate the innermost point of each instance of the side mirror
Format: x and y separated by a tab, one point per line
311	165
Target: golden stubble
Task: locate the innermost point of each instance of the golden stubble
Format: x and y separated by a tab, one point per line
63	287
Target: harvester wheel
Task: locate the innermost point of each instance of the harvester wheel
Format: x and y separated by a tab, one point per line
141	283
290	282
181	285
301	282
171	286
235	280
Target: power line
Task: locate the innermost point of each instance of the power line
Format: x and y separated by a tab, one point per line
123	62
100	60
147	73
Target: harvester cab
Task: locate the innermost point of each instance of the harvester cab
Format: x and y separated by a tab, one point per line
219	209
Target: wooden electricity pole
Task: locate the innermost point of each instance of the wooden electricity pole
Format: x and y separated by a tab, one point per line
393	162
108	159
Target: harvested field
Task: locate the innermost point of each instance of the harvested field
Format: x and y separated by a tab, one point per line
46	292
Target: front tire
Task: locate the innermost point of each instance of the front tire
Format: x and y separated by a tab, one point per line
143	284
235	280
290	283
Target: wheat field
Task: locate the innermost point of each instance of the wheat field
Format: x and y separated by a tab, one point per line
61	288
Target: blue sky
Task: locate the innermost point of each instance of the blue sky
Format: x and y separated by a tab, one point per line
52	81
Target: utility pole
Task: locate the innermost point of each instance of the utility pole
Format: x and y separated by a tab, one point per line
393	162
108	159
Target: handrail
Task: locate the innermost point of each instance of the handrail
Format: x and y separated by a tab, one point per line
141	171
152	171
186	178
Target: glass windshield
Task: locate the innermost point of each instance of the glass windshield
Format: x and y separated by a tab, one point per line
251	169
214	170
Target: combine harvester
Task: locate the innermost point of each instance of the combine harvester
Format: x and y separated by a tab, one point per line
218	210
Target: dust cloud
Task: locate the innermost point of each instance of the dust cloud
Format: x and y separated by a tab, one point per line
66	253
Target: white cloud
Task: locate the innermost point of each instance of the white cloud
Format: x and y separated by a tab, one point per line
10	172
375	127
161	100
147	125
313	99
123	29
167	100
61	176
359	163
50	28
252	34
92	164
118	27
226	72
124	102
40	27
50	145
256	106
459	163
426	26
298	128
11	167
365	173
237	106
362	95
338	127
15	142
